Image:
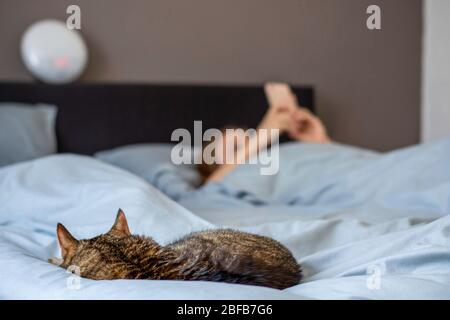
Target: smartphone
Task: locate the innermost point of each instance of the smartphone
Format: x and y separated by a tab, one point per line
280	94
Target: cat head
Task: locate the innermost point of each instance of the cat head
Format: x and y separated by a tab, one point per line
97	258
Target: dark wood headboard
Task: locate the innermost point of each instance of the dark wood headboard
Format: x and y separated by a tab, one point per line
95	117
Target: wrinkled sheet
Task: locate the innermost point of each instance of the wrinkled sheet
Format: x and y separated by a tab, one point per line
362	224
84	194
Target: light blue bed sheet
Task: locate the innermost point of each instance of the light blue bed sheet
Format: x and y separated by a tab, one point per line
363	224
84	194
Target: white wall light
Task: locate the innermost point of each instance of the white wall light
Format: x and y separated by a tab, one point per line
52	52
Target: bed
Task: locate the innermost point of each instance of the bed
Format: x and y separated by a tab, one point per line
363	225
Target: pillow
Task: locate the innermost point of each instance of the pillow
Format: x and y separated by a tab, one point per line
153	163
26	132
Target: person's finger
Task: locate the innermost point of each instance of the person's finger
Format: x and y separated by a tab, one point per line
301	114
306	110
282	109
286	121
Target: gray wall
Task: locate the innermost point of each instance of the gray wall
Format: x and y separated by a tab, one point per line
367	82
436	71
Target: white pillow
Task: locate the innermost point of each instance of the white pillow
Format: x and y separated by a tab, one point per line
152	162
26	132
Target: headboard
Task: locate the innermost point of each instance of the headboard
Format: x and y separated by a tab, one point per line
95	117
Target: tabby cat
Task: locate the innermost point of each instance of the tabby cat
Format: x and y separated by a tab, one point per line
215	255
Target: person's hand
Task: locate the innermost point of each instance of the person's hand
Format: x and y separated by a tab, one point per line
277	118
306	127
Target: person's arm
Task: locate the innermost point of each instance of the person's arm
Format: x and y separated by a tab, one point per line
276	121
306	127
301	125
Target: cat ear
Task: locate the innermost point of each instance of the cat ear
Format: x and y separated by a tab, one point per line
66	241
120	226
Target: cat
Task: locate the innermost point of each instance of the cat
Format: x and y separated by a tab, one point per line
222	255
